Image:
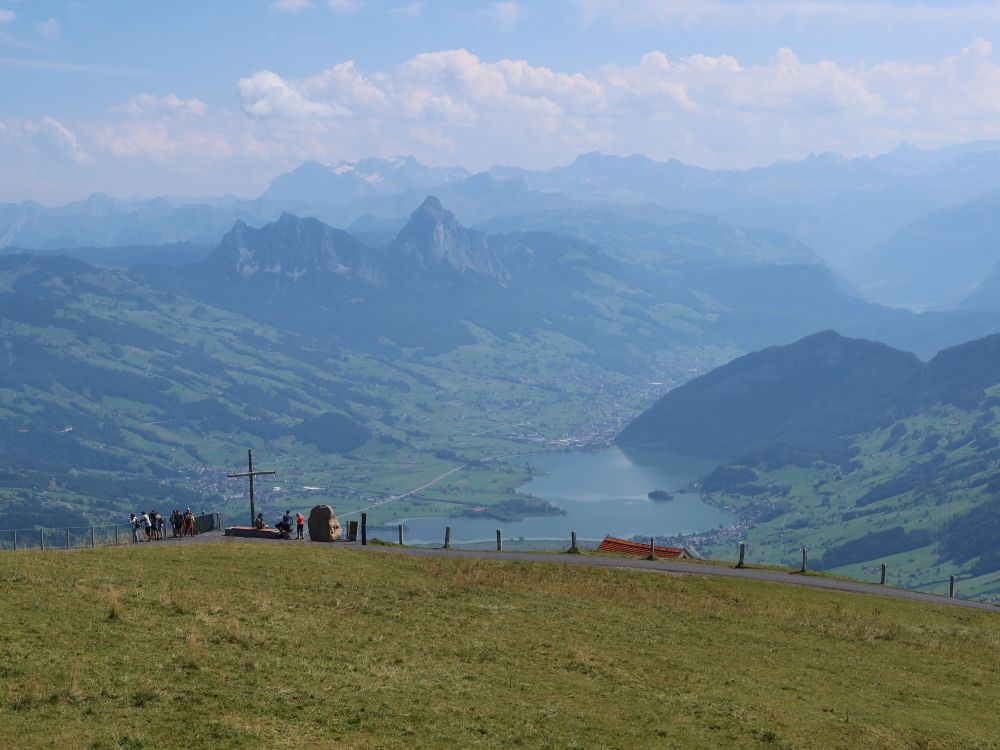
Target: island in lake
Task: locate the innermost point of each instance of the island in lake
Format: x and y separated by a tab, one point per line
660	495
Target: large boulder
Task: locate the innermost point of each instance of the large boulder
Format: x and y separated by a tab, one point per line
323	524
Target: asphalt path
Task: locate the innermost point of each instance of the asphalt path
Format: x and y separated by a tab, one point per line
672	567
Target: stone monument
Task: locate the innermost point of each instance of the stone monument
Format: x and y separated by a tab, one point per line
323	524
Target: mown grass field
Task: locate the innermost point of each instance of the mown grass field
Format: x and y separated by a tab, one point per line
260	646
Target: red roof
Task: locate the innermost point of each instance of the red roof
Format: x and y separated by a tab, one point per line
625	547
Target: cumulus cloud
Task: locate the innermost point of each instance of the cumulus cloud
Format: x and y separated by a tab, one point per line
265	94
146	104
452	86
46	137
708	109
6	16
453	106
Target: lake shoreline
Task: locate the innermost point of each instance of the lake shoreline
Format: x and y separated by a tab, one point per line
597	492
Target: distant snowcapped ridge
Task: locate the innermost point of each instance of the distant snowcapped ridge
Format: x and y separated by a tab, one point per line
352	180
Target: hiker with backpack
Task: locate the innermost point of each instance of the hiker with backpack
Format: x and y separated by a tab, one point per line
285	527
177	523
135	523
188	523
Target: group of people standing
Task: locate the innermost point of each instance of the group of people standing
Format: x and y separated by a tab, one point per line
284	524
152	525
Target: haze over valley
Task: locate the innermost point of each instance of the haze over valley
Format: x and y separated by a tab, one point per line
408	279
459	318
499	373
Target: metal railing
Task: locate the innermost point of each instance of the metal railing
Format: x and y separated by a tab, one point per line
77	537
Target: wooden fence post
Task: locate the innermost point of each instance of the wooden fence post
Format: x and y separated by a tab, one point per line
93	538
652	549
400	535
883	573
499	541
67	538
951	586
41	538
15	540
364	529
805	559
743	551
447	537
572	542
116	535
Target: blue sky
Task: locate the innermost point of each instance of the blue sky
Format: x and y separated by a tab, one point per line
141	98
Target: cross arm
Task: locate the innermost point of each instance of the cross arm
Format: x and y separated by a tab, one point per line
250	474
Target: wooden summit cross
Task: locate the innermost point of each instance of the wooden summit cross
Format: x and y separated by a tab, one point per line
251	474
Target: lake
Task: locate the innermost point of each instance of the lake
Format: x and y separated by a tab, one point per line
605	492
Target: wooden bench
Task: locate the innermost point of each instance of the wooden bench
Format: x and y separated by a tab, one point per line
251	532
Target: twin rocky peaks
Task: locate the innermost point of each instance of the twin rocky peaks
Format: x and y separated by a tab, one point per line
433	240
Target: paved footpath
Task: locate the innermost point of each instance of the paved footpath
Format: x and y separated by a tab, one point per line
655	566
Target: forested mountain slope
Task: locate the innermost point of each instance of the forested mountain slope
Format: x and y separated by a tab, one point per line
858	451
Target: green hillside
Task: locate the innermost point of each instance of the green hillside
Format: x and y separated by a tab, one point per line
118	396
261	646
919	494
859	452
808	394
360	372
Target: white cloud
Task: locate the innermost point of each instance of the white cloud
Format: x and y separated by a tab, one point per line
410	10
345	6
46	137
505	14
290	6
6	16
146	104
33	63
265	94
48	29
453	106
707	109
766	13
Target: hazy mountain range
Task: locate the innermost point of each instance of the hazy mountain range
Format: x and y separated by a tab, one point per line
910	227
190	349
357	319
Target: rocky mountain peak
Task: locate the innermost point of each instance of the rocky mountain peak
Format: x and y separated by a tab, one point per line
291	247
434	238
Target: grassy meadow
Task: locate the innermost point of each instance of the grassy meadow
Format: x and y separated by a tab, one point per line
264	646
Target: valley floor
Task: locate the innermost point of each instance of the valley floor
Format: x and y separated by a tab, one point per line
267	645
